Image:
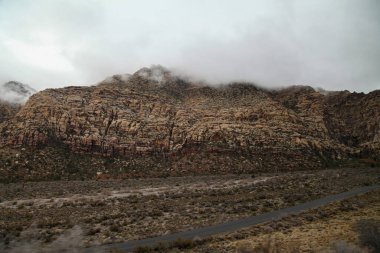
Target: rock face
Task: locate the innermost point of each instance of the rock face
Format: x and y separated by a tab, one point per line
350	119
154	121
7	111
353	119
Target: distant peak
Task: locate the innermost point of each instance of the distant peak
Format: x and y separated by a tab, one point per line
19	87
300	88
15	92
117	78
156	73
323	91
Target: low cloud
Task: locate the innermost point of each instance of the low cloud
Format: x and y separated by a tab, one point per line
15	92
333	45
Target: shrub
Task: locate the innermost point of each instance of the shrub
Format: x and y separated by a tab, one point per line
142	249
161	247
270	245
343	247
93	231
183	243
115	228
369	234
244	248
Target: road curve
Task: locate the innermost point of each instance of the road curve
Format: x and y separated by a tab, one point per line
233	225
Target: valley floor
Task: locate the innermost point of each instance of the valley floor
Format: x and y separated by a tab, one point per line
337	227
102	212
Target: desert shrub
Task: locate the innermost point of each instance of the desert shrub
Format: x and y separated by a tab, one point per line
93	231
369	234
244	248
270	245
344	247
115	228
161	247
143	249
181	243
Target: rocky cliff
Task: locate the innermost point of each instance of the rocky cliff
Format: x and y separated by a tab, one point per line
155	123
7	111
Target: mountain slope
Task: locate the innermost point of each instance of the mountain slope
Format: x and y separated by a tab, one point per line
7	111
351	119
153	121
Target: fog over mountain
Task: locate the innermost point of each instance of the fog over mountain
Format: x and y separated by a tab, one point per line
328	44
15	92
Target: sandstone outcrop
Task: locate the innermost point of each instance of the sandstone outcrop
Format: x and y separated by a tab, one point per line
7	111
155	121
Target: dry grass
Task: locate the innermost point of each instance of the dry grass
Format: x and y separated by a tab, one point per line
330	229
180	204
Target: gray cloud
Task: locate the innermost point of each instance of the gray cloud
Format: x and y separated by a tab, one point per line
329	44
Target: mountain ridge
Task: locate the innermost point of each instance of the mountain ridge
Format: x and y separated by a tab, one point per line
155	121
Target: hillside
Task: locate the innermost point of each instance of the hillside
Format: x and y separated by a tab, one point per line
153	123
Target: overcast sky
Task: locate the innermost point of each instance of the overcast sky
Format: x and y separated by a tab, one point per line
333	44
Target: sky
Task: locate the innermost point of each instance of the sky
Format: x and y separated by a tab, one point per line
334	45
